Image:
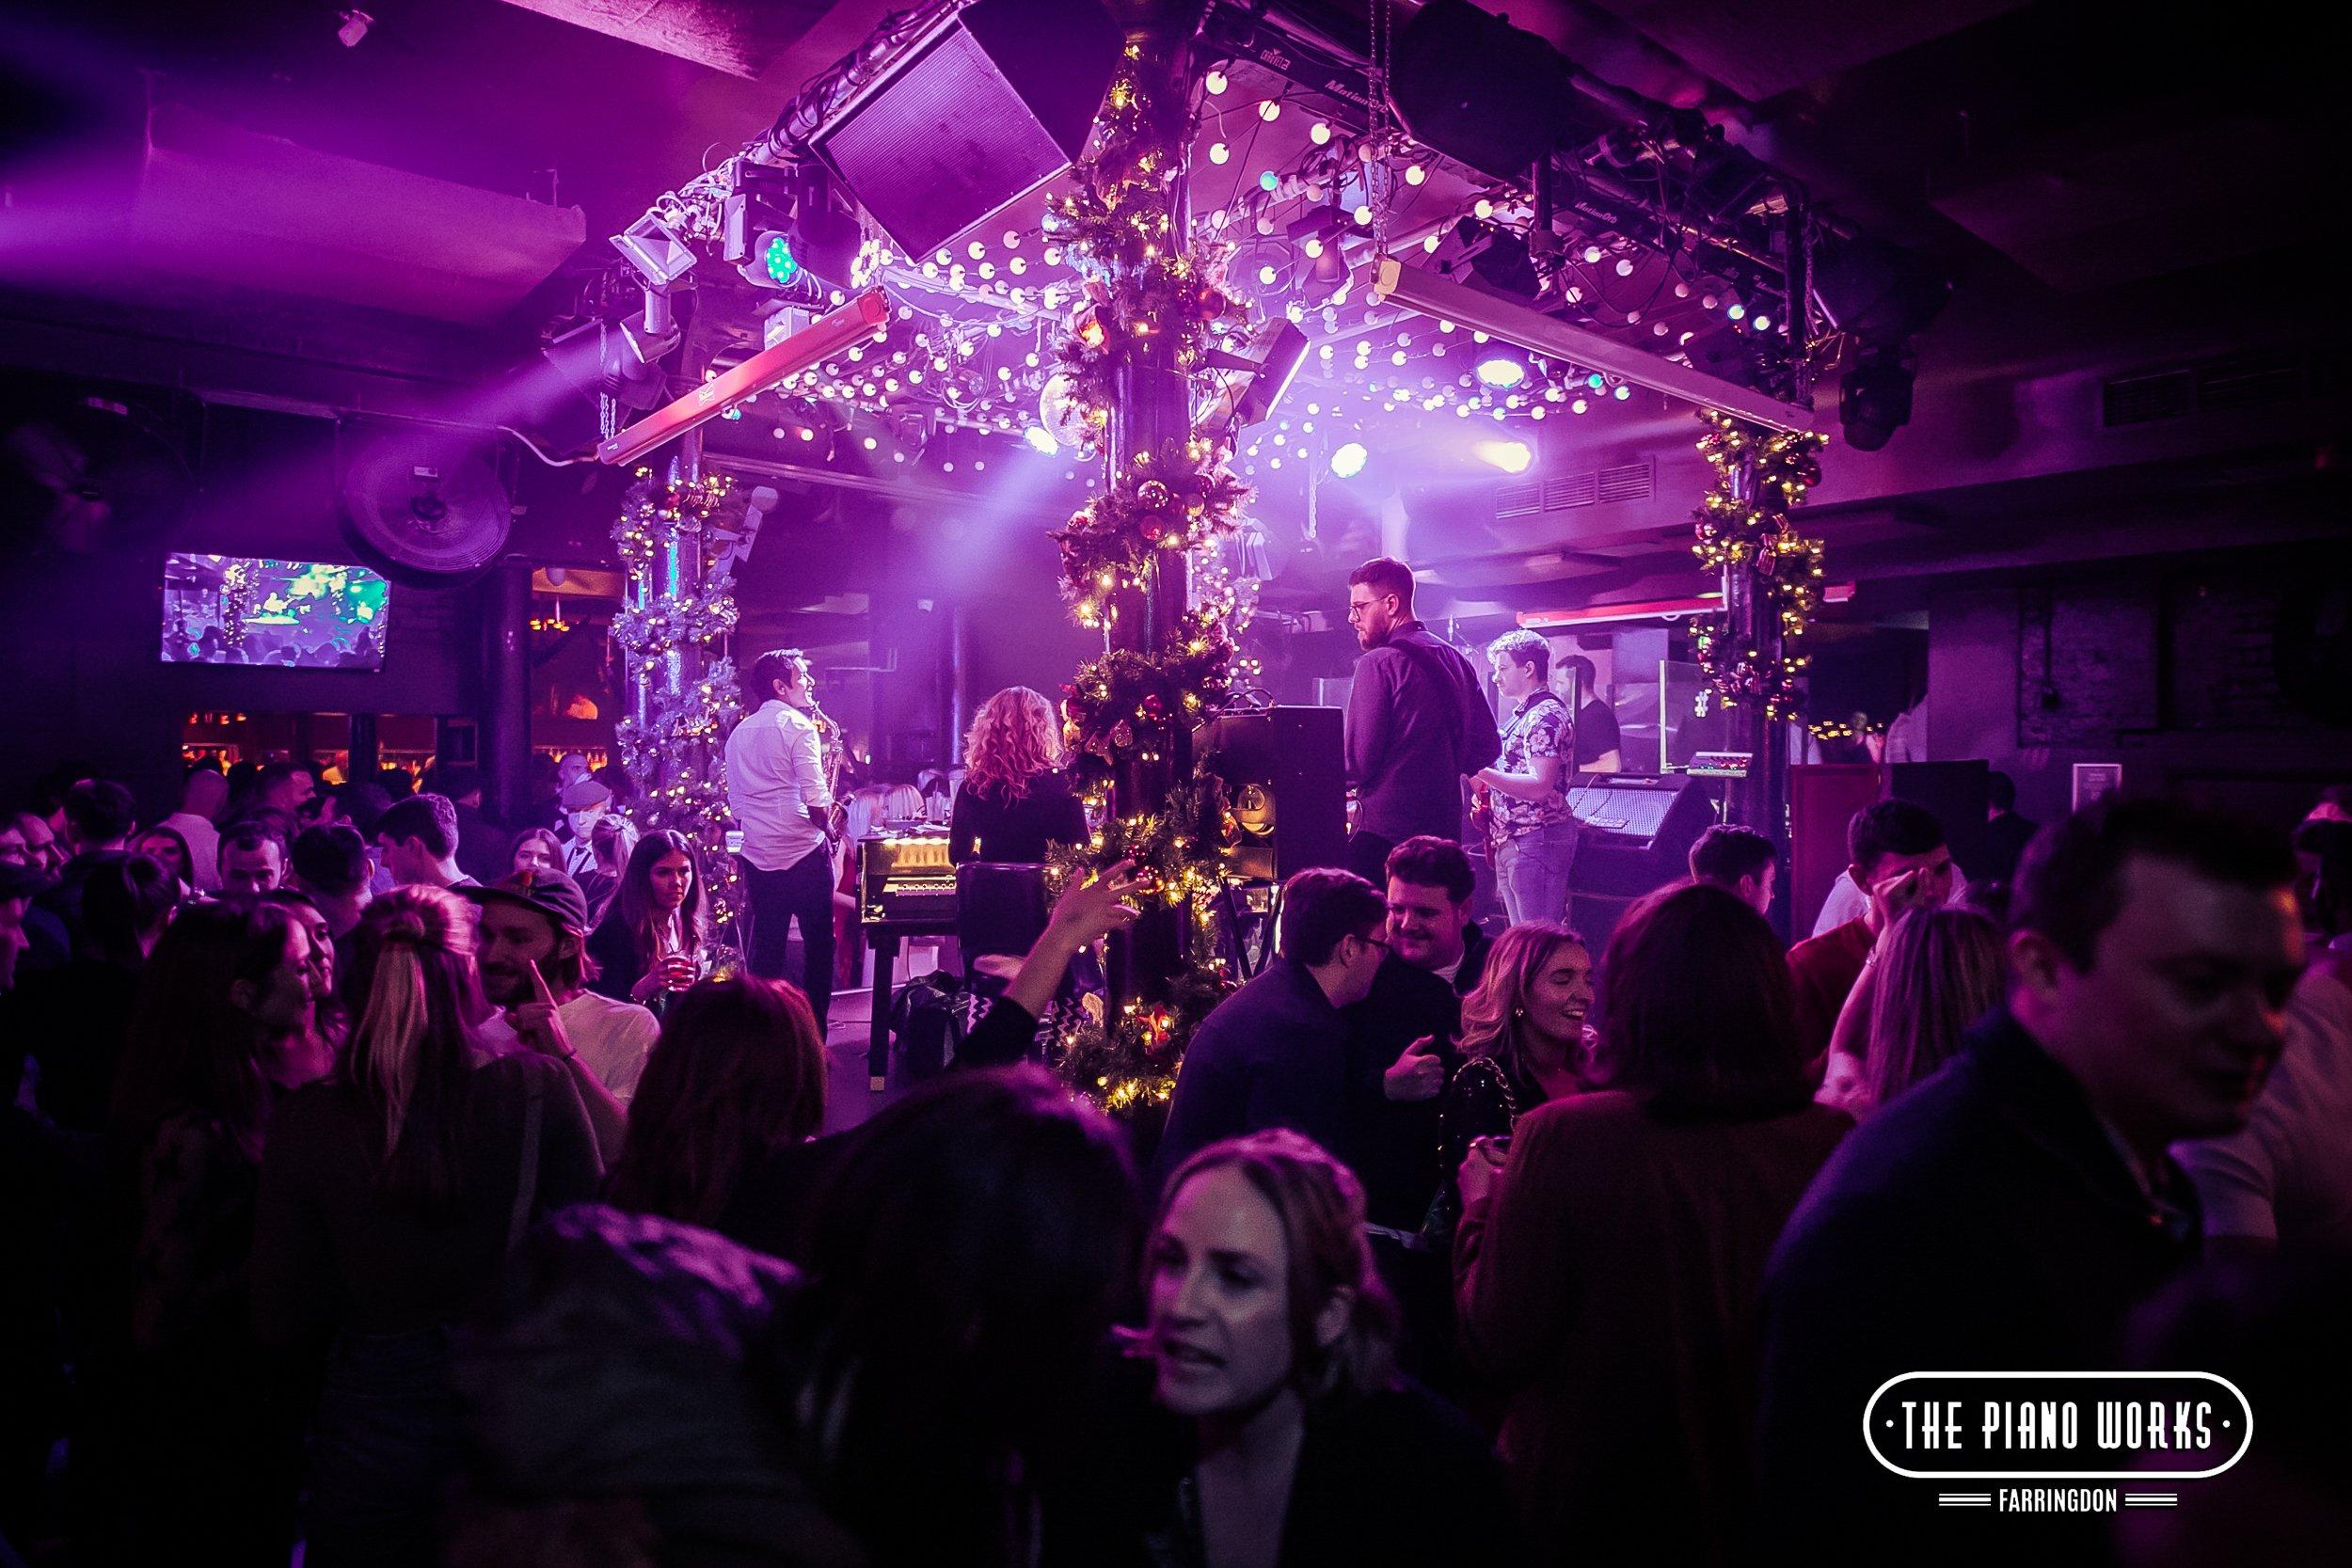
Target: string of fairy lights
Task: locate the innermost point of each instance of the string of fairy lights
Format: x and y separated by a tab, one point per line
1743	524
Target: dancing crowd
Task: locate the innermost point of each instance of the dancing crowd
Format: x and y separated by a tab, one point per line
411	1212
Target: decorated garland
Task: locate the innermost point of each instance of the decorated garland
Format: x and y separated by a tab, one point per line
1119	230
1129	1061
672	756
1754	533
1143	288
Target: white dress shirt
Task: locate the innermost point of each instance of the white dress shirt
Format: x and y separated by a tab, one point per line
775	776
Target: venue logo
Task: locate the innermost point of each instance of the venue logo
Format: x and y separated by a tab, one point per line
2029	1429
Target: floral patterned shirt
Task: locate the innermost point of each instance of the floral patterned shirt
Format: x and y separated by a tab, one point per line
1539	729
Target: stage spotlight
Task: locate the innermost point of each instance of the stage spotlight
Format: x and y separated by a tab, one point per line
1349	460
1039	439
1874	400
1512	457
1502	369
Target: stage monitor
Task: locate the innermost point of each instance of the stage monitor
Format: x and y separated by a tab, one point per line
283	614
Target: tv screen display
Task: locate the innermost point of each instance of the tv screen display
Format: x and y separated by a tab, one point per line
299	614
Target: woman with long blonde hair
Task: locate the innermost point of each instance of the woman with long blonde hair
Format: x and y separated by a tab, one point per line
1522	1044
392	1192
1014	801
1935	974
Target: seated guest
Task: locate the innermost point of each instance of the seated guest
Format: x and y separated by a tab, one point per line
2285	1181
535	965
1522	1046
900	1402
252	859
1899	855
1401	1035
391	1196
166	847
1014	800
720	1130
649	944
194	1440
197	823
534	850
1938	973
2009	1212
1740	861
418	838
75	1019
1086	912
1609	1261
1282	1435
1274	1053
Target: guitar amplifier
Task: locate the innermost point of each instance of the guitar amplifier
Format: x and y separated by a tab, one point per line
1284	771
1635	831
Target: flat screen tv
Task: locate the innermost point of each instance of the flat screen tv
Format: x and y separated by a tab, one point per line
297	614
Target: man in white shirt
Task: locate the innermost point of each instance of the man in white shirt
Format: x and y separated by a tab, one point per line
199	806
531	947
777	790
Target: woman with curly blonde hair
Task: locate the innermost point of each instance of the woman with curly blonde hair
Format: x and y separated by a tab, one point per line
1014	800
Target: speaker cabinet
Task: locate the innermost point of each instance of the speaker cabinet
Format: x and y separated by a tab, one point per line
990	105
1284	773
1634	834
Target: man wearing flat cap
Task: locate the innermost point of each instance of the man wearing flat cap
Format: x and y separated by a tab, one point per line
583	800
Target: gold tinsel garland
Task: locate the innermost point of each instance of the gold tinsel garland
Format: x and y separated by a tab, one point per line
1753	533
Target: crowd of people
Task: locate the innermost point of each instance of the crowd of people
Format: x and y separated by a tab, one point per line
361	1201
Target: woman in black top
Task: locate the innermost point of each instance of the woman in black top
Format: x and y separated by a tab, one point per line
1013	802
650	942
1522	1044
1281	1434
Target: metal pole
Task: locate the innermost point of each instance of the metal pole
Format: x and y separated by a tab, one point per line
506	690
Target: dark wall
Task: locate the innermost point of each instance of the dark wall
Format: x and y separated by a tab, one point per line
2225	678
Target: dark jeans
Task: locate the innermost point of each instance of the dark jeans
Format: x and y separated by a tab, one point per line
382	1451
1368	857
801	891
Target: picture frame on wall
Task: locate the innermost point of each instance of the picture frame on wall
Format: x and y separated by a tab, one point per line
2096	780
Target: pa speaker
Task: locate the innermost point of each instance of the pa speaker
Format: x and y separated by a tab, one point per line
977	114
1284	776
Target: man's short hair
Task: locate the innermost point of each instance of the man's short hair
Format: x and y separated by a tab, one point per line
428	817
100	810
2000	791
1587	674
1385	574
1885	827
1427	861
1522	646
2069	882
777	664
1321	907
332	859
1727	852
248	835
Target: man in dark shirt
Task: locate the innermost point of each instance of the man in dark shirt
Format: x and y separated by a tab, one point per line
1416	721
1275	1052
1598	741
2009	1212
1899	860
2006	833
